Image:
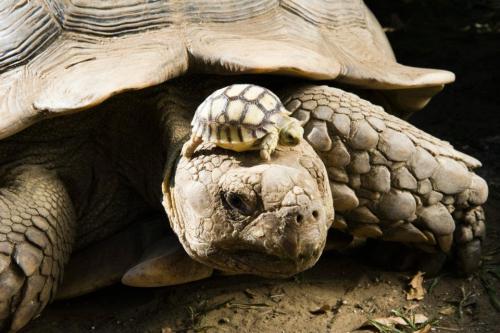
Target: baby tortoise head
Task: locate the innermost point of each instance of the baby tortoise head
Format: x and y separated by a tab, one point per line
243	117
291	132
238	213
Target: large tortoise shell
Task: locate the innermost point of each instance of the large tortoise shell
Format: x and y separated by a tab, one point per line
62	56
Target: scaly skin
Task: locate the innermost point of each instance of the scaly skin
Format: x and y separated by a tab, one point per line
36	237
237	214
100	170
389	179
61	188
278	223
90	174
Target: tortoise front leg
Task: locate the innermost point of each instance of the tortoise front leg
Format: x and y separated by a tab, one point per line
390	180
190	146
268	145
37	223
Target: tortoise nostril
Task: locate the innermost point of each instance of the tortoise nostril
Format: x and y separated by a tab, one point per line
300	218
315	214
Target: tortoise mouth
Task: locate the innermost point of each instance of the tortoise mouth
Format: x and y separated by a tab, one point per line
253	261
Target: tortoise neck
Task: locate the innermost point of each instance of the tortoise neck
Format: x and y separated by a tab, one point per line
176	111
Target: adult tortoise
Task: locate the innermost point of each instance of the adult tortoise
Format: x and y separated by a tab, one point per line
91	183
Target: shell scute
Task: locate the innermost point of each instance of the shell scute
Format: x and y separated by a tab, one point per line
235	90
234	111
269	102
216	109
253	93
253	116
240	113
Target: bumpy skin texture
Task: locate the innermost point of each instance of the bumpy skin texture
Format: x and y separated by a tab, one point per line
234	211
67	183
110	163
390	180
36	237
238	213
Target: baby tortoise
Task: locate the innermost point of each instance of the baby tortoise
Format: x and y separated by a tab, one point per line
243	117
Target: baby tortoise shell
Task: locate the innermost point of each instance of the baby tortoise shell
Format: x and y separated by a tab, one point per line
243	117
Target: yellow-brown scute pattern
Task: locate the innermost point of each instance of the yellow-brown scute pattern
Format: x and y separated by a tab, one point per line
237	114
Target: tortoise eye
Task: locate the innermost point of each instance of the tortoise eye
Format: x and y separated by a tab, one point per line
237	202
292	140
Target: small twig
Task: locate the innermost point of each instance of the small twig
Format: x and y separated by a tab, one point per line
203	328
447	328
248	305
196	313
409	322
195	329
250	293
384	328
493	252
463	302
434	283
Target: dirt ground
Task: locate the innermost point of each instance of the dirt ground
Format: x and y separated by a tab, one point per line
343	291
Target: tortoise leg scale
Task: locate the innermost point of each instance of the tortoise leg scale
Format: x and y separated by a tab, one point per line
37	223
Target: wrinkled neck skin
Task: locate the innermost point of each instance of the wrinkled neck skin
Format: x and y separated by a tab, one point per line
111	158
146	132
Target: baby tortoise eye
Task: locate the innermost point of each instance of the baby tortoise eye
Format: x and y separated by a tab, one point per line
238	202
292	139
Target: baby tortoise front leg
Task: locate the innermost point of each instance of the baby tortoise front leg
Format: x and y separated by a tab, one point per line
36	235
268	145
190	146
390	180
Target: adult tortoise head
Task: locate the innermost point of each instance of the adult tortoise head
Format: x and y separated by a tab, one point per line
239	213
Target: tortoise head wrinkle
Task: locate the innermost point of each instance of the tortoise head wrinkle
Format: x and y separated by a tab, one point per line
238	213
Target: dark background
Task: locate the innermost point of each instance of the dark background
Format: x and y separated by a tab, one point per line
462	36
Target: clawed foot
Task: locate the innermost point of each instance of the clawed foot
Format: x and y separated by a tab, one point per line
36	234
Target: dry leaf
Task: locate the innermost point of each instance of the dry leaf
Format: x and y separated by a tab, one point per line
448	310
394	320
250	293
420	318
417	290
411	306
390	321
426	329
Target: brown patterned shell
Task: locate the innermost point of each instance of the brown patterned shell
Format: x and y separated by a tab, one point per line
237	113
62	56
